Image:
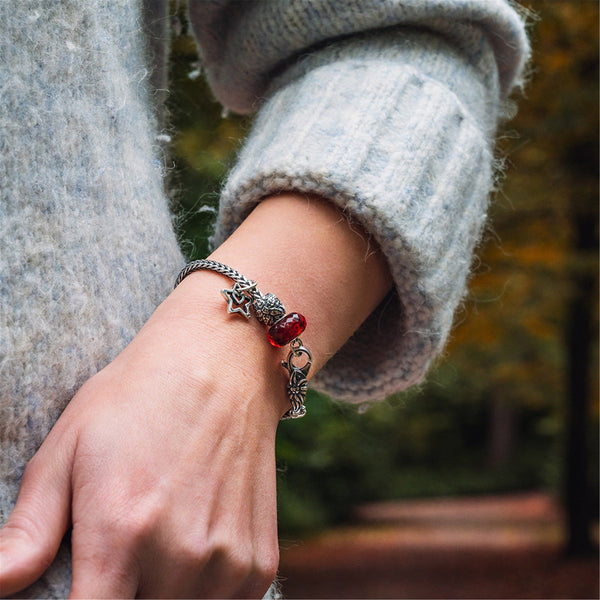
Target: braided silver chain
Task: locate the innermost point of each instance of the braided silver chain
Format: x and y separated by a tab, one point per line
268	310
217	267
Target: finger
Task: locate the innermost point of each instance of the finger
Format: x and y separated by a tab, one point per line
261	576
101	575
31	537
103	556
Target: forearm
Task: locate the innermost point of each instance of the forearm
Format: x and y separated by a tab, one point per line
305	251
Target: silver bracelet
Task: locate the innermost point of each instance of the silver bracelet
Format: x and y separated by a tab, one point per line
283	328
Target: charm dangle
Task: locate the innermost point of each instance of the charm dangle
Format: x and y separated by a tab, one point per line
239	298
298	383
268	308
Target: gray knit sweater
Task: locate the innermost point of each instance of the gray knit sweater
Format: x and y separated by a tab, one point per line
386	107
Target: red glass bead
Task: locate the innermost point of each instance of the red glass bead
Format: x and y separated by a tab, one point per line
286	329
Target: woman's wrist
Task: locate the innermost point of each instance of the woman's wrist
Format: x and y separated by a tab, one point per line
303	250
195	338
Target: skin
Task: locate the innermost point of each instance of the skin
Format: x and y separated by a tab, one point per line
164	463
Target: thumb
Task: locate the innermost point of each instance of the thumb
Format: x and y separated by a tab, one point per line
30	538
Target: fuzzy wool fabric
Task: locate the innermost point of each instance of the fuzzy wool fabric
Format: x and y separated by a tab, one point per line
87	251
386	107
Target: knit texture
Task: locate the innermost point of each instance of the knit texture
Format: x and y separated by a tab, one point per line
395	126
87	250
386	107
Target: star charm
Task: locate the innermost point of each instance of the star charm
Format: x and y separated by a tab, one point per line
237	300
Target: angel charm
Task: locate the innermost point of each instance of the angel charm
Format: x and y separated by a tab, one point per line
298	383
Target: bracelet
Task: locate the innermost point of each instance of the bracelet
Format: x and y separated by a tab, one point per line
268	309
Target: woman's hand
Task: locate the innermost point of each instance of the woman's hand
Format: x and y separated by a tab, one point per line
163	462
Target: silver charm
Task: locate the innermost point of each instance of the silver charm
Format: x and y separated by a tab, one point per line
298	383
268	308
239	298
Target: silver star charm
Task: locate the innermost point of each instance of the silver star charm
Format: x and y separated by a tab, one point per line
238	301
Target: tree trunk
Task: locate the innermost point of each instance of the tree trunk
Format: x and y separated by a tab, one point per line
579	342
502	432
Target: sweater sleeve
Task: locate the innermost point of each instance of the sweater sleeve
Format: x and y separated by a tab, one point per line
388	108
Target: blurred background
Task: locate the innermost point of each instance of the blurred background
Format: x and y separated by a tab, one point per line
483	482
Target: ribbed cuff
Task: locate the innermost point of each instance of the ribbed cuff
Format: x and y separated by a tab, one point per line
395	130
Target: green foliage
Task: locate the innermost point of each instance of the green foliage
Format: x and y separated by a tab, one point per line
508	345
429	442
203	147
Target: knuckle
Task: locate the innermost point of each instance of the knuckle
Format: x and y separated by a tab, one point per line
192	553
131	524
264	570
236	556
267	566
241	565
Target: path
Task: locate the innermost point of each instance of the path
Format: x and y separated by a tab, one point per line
490	547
